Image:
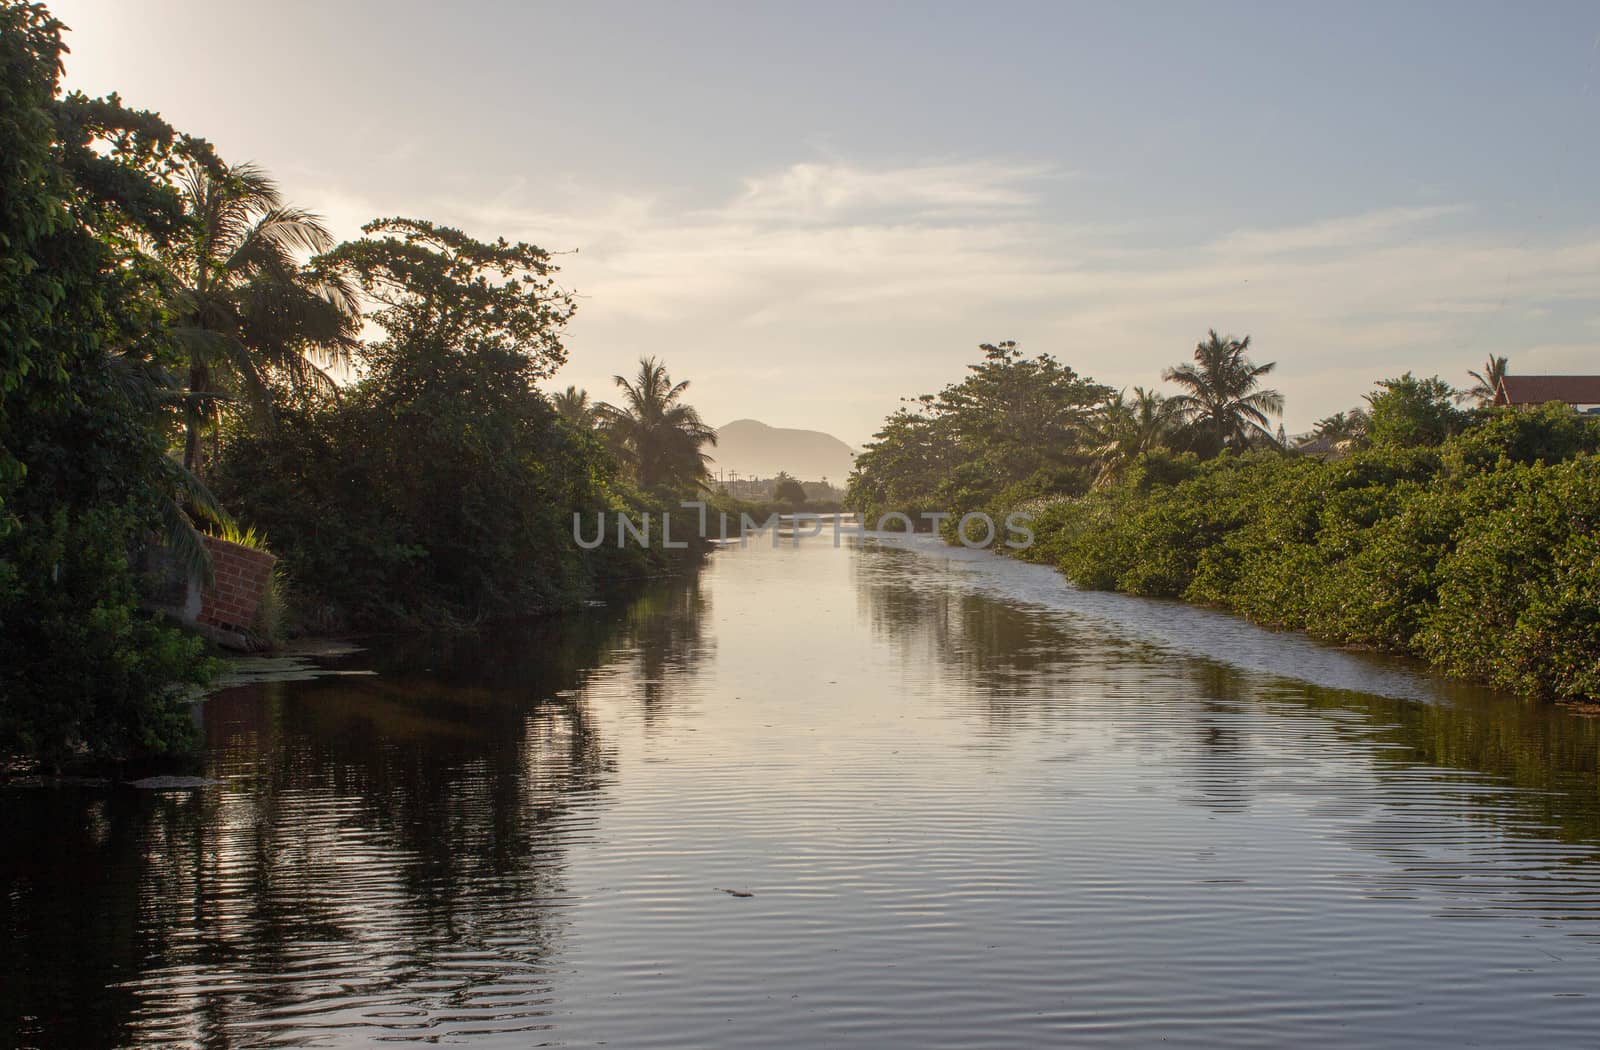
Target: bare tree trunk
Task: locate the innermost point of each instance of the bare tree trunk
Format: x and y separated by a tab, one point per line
193	447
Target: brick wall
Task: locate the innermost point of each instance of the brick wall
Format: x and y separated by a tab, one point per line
241	579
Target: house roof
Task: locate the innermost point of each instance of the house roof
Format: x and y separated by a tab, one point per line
1536	390
1317	444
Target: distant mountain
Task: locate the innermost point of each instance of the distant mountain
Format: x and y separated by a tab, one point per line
754	449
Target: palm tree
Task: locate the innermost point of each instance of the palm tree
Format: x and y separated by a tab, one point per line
1223	405
249	312
1342	431
654	433
573	405
1487	385
1152	418
1123	430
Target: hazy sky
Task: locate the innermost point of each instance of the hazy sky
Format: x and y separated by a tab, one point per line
810	210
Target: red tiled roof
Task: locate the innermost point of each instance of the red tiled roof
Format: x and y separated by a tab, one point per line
1536	390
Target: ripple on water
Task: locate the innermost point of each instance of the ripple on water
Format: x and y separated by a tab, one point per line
972	806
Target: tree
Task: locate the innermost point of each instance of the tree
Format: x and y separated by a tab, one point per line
444	296
1016	425
83	475
655	433
1486	385
786	489
249	313
573	405
1411	413
1343	431
904	463
1124	430
1223	405
1021	415
441	487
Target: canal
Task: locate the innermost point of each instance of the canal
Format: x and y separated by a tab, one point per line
882	794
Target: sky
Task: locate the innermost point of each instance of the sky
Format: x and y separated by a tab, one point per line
813	210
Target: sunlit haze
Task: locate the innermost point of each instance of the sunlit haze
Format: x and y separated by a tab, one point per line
767	198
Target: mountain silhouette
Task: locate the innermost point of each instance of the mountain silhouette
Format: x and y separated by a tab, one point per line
753	449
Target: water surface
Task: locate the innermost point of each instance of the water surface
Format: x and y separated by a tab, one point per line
972	807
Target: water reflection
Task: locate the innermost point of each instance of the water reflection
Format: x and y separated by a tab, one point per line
973	807
667	641
1464	788
384	851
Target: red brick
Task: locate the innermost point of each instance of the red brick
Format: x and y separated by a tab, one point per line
241	577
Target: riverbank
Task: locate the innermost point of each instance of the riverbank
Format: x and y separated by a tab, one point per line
1477	556
1466	537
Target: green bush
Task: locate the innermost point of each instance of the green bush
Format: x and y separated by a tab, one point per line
1519	596
1550	434
1410	413
86	674
1478	555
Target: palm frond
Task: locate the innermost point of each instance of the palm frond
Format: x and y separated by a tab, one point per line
187	497
185	543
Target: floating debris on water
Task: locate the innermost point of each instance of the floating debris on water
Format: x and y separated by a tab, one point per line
172	783
297	663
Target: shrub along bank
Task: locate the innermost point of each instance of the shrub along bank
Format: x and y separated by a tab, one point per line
1480	555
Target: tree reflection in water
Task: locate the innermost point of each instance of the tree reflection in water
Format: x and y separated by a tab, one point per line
384	850
956	766
1520	771
665	643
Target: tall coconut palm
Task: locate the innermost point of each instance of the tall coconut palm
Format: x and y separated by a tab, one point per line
1123	430
657	435
250	314
1223	405
573	405
1486	383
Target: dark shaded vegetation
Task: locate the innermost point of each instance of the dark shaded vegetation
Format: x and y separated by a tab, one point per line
440	488
167	317
84	405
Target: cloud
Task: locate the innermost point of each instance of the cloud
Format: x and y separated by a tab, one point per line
831	192
818	294
1350	231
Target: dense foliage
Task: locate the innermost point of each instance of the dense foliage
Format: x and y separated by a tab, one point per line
83	478
1478	554
786	489
441	487
1469	538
